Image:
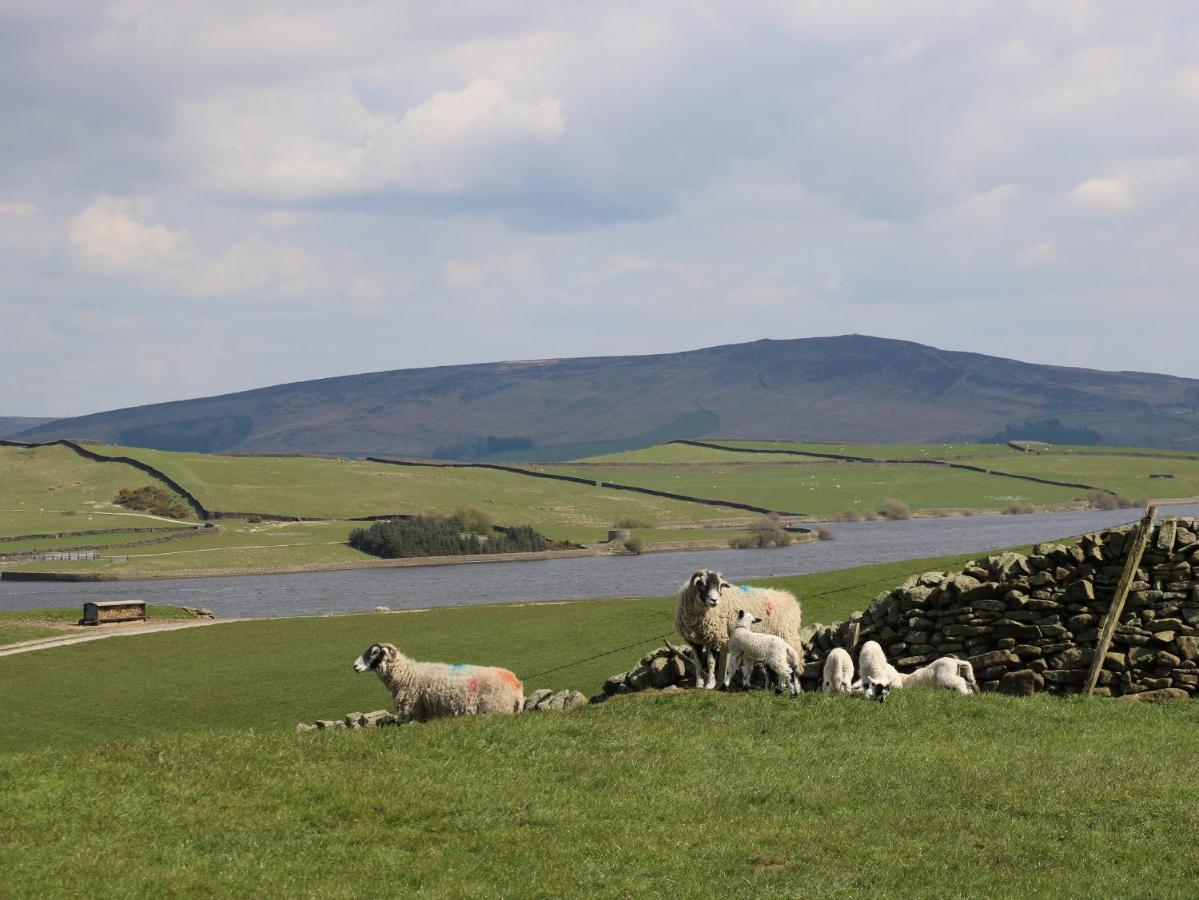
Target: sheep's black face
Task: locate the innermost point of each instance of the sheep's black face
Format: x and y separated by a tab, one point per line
370	658
707	586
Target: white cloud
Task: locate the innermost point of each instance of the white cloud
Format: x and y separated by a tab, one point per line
461	274
293	145
22	210
258	268
108	236
1037	254
1105	194
365	294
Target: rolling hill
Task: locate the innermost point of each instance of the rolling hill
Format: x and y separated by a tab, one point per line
848	388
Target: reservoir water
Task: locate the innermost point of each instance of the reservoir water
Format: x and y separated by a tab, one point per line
652	574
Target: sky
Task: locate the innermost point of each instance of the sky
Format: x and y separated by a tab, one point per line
205	197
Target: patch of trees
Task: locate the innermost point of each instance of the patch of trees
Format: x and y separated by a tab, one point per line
457	535
152	499
476	447
766	532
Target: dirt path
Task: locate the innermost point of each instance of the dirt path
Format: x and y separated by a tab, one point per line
100	632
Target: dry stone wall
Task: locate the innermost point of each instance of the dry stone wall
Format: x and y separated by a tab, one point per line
1031	623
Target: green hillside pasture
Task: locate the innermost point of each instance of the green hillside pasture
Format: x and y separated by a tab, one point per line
826	488
71	541
671	454
28	624
339	489
930	795
949	452
243	675
235	546
194	781
1127	475
51	489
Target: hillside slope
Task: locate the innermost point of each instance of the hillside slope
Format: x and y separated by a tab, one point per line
10	425
849	388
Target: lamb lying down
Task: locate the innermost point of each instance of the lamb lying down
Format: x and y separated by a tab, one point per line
430	690
946	672
747	647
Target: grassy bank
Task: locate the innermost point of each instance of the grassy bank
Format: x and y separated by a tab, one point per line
931	795
167	763
29	624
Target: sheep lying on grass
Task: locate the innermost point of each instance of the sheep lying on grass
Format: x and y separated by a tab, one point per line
706	612
430	690
838	672
879	677
747	647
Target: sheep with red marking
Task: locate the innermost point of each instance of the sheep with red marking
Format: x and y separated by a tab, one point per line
707	612
431	690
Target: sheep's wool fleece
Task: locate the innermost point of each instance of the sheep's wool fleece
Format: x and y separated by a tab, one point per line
711	626
429	690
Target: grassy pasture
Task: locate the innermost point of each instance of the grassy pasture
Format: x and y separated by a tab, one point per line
28	624
166	763
948	452
70	541
1128	475
50	489
330	488
825	488
242	675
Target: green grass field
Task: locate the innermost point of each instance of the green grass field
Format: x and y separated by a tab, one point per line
826	488
28	624
329	488
51	489
167	764
949	452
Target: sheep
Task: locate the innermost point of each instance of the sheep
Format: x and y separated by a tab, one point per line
707	607
747	647
946	672
838	672
873	670
879	677
429	690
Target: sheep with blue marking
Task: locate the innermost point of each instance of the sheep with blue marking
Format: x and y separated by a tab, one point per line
747	647
707	612
430	690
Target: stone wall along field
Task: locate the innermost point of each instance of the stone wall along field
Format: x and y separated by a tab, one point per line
1031	623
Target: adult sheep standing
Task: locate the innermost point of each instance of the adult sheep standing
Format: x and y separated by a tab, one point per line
431	690
707	613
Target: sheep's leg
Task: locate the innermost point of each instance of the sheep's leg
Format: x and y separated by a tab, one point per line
730	664
403	710
713	659
700	654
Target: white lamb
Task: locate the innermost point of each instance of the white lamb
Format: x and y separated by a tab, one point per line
838	672
873	669
708	608
430	690
747	647
879	677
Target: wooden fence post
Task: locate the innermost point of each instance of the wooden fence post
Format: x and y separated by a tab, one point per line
1133	561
